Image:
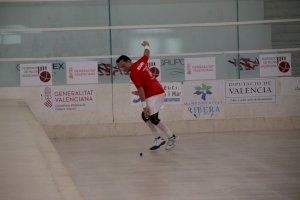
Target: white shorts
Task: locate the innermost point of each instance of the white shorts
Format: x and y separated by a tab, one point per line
155	102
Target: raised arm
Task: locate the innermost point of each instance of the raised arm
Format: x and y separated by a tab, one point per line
146	45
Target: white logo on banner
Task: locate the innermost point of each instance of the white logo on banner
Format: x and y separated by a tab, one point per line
172	90
250	91
82	72
290	85
35	74
275	65
68	98
203	99
200	68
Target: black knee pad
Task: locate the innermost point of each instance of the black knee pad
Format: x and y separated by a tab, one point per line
144	118
154	119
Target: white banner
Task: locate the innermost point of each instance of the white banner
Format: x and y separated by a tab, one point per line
172	90
203	99
200	68
68	98
290	85
275	65
36	74
250	91
82	72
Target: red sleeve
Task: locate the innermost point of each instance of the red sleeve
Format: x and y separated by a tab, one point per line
144	59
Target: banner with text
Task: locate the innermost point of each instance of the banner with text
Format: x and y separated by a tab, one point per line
82	72
250	91
200	68
172	90
36	74
275	65
68	98
203	99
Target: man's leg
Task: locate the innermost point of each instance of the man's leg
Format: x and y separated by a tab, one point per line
158	141
151	126
155	103
159	124
171	137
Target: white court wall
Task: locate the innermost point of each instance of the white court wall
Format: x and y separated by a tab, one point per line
115	115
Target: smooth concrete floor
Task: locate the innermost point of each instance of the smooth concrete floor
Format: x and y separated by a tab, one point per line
219	166
24	173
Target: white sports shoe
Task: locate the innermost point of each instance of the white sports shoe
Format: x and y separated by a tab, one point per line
158	142
171	142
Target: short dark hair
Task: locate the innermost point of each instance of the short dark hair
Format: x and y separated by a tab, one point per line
124	58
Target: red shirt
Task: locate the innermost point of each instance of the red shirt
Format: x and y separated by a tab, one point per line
141	76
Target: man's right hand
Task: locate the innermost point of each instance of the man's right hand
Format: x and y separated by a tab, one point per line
145	43
146	112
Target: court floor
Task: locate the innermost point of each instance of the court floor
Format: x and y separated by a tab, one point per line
212	166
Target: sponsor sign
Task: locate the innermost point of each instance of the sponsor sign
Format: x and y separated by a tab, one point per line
203	99
250	91
275	65
68	98
36	74
200	68
172	90
82	72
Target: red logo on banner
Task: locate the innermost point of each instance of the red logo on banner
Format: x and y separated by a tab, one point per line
48	104
284	66
245	63
47	93
71	73
189	70
45	76
154	71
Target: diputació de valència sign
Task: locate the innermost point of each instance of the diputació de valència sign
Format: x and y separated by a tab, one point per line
250	91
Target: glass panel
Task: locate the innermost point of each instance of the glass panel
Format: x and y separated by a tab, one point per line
276	36
54	14
164	41
175	40
55	44
278	9
140	12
